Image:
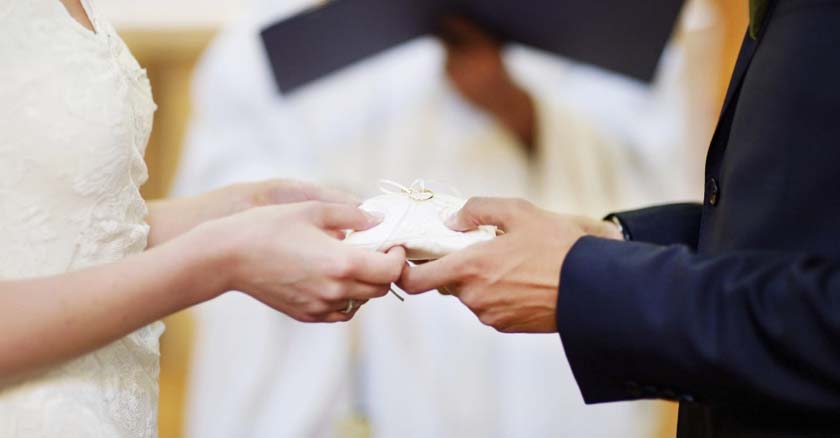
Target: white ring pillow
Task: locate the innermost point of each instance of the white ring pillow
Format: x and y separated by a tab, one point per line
415	219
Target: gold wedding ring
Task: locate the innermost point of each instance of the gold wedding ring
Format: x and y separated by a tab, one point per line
351	305
421	195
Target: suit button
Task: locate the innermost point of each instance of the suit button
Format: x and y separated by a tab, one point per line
686	398
712	191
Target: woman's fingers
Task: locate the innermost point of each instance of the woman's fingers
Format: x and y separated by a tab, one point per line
342	315
326	194
365	291
344	305
338	317
343	217
336	234
282	191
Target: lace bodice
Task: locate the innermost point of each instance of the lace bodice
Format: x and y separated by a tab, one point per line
75	115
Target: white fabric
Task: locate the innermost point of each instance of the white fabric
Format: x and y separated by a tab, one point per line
75	114
425	367
415	219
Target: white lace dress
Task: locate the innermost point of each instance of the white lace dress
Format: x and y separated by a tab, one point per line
75	115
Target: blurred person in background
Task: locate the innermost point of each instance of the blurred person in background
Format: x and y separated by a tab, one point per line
466	113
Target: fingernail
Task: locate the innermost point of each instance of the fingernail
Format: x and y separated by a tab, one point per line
452	220
376	217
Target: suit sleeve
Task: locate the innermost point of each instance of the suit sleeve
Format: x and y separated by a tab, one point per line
663	225
646	321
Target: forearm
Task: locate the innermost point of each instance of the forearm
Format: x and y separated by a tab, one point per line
169	218
744	327
47	320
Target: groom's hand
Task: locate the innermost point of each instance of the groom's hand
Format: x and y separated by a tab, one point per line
511	282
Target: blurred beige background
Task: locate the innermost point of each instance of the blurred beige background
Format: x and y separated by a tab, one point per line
168	37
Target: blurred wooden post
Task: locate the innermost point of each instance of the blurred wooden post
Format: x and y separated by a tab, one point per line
169	56
735	14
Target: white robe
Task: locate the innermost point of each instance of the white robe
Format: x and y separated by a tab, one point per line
426	367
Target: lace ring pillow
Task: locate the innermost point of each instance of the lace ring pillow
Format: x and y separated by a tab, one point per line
415	219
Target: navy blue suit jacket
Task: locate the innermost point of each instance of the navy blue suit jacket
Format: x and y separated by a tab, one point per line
732	307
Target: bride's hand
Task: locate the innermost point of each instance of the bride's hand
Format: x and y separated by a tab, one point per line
291	258
172	217
240	197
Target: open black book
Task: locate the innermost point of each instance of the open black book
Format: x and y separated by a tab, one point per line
626	36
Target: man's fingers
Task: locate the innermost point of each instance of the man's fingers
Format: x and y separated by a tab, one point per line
501	212
433	275
375	267
343	217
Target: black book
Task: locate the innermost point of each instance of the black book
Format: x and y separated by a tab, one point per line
626	36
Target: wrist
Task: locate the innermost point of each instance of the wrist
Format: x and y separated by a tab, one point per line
616	229
235	198
213	205
208	259
175	217
216	204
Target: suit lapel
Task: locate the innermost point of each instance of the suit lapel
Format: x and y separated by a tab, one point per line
758	12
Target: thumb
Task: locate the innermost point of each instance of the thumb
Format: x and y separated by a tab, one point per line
333	216
435	274
504	213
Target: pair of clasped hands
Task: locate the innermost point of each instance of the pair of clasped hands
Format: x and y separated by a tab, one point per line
283	241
